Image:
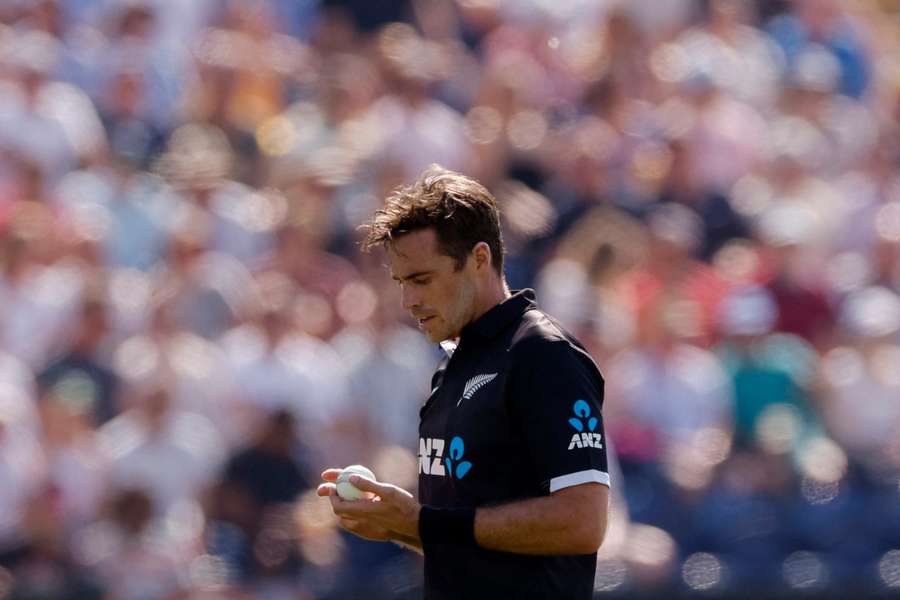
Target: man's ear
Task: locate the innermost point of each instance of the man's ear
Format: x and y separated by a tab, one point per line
482	253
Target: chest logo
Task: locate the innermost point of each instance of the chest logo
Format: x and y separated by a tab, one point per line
431	454
433	462
588	438
475	384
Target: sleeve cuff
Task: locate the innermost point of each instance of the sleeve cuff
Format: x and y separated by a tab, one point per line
589	476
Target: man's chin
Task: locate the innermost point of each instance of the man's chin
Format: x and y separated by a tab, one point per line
435	337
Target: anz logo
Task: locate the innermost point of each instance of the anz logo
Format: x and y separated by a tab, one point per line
584	439
433	462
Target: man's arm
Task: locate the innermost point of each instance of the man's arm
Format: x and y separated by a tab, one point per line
569	521
554	393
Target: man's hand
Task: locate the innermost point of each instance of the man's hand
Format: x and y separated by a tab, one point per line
363	530
389	512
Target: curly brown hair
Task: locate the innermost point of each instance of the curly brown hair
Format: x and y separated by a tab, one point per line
461	211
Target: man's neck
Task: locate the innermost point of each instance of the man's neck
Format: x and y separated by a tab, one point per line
495	294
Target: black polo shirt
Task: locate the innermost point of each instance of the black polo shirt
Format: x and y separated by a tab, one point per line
514	413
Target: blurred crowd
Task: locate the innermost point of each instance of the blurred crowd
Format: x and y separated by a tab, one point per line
706	192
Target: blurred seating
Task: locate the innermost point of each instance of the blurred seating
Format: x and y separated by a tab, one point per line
707	192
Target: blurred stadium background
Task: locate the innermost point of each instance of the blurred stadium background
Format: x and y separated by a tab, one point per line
706	192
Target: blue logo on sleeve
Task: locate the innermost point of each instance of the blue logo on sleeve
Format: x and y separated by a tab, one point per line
457	449
582	410
584	439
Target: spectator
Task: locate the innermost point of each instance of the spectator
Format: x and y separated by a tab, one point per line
83	360
871	317
767	370
825	22
258	483
169	453
51	123
132	564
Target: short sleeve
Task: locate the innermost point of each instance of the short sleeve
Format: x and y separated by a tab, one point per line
555	395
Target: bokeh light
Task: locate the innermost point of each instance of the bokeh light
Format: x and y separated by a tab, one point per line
483	124
702	571
805	570
526	130
889	569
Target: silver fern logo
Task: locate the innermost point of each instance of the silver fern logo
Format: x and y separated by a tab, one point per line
475	384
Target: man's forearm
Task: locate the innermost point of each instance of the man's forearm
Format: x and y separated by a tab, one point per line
572	521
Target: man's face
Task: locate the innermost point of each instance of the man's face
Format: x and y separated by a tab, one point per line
440	298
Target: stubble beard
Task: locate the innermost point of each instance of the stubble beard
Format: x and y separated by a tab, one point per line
463	313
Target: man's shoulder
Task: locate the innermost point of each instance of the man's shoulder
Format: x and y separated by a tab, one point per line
538	334
536	327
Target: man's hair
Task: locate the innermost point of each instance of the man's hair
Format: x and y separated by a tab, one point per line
461	211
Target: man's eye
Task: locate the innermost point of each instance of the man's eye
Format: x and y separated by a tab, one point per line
425	281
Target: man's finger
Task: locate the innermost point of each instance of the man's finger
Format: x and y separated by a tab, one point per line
331	474
351	508
326	489
367	485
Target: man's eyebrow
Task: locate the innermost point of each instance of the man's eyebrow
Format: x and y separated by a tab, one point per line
411	275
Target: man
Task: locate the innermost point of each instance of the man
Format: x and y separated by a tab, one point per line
513	480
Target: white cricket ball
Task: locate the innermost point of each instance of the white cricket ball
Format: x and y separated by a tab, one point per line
347	490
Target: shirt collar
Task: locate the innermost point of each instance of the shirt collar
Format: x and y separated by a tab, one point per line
495	320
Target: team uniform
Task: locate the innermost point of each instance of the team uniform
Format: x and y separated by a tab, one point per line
514	413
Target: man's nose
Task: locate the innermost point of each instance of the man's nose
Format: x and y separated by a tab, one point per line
409	297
